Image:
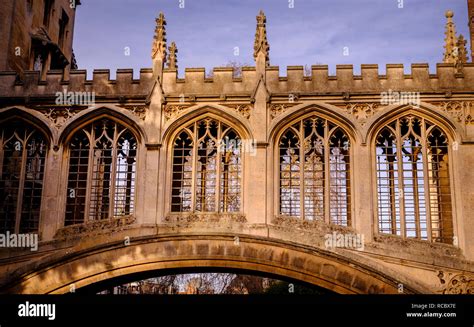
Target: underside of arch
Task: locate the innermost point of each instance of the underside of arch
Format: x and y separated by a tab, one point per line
61	272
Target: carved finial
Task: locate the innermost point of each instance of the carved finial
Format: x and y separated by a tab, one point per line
261	42
159	40
470	5
450	40
461	49
460	54
172	59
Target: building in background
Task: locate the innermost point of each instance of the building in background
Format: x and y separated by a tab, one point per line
37	35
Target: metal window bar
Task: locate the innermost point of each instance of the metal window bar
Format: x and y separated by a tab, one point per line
387	183
339	189
207	167
230	174
32	192
182	188
313	158
12	152
125	175
79	150
423	161
102	170
290	174
439	186
318	167
22	157
205	178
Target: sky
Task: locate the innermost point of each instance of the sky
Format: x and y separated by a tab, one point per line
208	32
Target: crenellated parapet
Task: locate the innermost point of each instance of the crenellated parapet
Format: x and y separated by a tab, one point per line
101	84
223	83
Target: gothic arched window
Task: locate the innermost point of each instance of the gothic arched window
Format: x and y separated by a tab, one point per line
207	168
102	170
315	172
413	184
22	159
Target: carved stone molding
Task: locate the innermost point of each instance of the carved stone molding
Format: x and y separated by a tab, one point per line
469	119
184	219
279	108
138	110
453	108
59	116
363	111
461	111
95	227
469	113
456	283
314	226
242	109
174	110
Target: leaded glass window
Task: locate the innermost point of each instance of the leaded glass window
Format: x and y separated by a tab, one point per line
413	184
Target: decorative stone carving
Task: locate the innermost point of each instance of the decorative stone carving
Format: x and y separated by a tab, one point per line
314	226
469	113
461	111
59	116
172	58
261	42
159	39
242	109
363	111
454	109
173	110
139	110
185	219
461	54
95	227
450	54
279	108
457	283
469	119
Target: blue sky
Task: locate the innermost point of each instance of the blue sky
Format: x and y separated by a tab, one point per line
313	32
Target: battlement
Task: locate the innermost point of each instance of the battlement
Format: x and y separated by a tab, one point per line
224	82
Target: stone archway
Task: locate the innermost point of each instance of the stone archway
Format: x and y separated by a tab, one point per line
69	269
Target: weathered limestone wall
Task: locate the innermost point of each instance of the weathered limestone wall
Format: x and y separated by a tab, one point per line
6	16
18	23
259	104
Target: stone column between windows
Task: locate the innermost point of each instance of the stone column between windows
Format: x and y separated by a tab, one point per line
51	219
363	181
463	180
255	184
149	182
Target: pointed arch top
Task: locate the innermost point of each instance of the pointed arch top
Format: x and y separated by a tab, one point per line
31	117
217	112
119	115
425	110
323	110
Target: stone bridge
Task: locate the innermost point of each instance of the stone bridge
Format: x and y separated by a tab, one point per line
151	176
284	249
